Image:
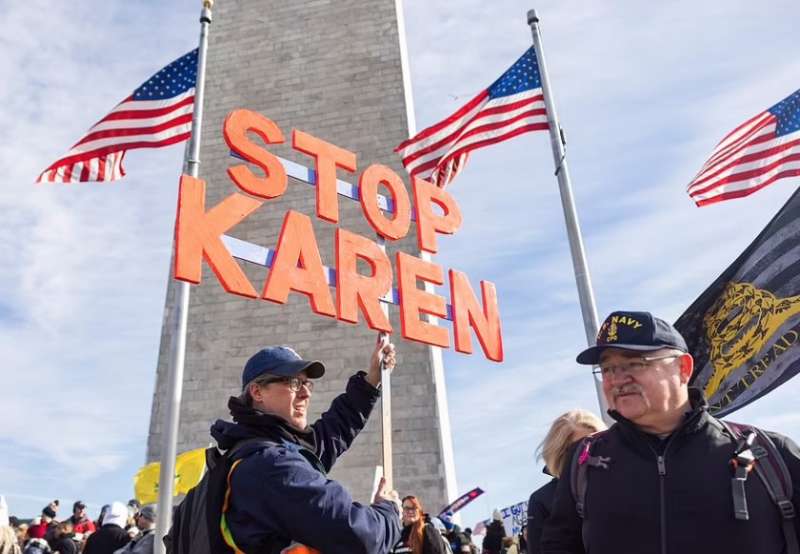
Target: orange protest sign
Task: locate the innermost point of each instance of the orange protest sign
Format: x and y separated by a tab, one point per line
298	266
354	290
235	130
429	223
416	301
372	177
296	263
197	236
467	312
327	158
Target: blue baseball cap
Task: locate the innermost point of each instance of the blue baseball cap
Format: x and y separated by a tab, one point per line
280	361
638	331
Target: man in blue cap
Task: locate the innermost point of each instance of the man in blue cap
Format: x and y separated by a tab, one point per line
280	495
669	477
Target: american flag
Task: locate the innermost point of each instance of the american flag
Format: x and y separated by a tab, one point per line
512	105
158	113
757	153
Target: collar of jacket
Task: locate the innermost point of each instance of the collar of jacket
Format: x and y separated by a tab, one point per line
260	424
694	420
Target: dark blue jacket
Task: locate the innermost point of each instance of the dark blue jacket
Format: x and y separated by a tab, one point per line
281	493
540	504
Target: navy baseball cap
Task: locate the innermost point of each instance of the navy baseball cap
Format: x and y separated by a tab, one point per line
638	331
280	361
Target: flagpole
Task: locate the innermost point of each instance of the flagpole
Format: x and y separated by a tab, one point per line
166	479
580	267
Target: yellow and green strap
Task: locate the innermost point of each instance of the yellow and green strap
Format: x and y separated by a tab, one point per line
223	522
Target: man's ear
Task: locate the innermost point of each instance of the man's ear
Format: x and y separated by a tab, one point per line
255	391
687	368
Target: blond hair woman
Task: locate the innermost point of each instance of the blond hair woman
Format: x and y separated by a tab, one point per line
567	429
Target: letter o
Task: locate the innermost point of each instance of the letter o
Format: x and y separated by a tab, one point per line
375	175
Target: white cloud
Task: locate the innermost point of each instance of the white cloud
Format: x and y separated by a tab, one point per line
85	265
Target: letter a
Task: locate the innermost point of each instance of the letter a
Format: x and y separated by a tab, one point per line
298	266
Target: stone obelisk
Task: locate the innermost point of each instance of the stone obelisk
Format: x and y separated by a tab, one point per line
335	69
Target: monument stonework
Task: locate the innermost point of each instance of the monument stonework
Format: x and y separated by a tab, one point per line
333	69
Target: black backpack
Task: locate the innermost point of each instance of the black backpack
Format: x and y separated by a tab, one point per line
754	451
197	524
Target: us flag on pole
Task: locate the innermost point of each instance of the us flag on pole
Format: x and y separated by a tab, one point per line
757	153
158	113
512	105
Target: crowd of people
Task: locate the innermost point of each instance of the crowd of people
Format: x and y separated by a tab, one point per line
666	477
119	529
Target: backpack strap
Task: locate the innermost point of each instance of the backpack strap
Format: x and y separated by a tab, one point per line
577	475
771	469
579	467
234	454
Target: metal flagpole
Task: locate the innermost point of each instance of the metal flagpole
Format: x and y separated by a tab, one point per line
166	480
582	279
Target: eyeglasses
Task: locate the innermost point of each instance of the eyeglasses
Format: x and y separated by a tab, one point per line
295	383
631	367
410	509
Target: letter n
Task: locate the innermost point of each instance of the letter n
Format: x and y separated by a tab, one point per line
467	312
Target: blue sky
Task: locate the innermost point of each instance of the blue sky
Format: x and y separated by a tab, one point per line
644	91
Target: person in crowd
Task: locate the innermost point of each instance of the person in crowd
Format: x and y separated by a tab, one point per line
112	535
441	528
660	479
82	526
134	506
21	530
63	539
510	545
418	536
144	542
495	533
8	541
54	505
8	538
133	510
522	539
459	542
36	546
567	429
47	522
473	548
279	493
103	511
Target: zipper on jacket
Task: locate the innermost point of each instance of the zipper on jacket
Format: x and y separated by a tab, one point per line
661	461
662	472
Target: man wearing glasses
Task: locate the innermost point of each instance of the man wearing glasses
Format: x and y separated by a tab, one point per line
279	491
660	480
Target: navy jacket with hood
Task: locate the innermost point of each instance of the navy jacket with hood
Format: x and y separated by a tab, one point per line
281	494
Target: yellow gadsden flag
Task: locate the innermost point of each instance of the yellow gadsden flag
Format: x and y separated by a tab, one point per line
189	468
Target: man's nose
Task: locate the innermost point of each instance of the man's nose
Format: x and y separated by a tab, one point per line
620	376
